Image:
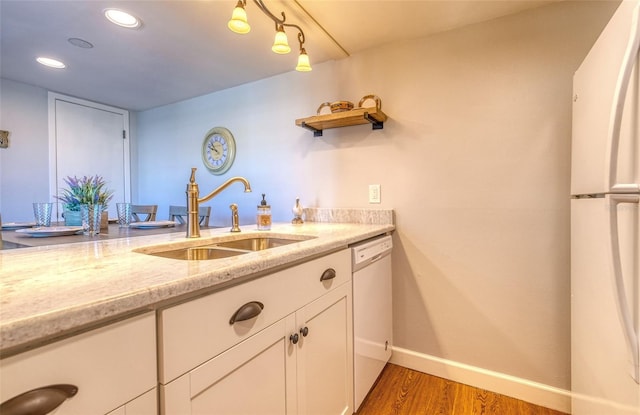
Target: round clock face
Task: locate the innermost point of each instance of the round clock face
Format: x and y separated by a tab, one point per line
218	150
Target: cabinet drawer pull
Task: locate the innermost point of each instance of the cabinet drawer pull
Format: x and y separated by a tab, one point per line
329	274
38	401
247	311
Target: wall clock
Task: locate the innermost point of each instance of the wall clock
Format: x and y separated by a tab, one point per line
218	150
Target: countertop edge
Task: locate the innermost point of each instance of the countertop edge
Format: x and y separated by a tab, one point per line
27	333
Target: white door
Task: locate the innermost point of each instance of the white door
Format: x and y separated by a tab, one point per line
250	378
88	139
605	150
603	364
325	354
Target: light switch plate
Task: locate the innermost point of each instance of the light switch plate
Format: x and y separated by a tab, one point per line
374	193
4	139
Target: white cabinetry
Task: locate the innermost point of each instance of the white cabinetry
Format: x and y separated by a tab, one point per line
324	358
291	355
246	379
113	369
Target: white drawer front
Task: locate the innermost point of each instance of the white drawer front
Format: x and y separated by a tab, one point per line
198	330
110	366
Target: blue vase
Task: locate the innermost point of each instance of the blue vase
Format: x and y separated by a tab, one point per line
72	218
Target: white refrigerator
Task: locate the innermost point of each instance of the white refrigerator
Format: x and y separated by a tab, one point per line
605	222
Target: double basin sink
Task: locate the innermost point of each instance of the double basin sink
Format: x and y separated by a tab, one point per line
215	248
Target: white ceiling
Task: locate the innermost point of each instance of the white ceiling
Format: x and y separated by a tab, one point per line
185	49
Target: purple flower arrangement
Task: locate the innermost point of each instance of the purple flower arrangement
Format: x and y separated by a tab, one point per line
89	190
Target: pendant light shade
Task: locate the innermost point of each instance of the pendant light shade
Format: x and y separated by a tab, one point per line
281	44
303	62
238	22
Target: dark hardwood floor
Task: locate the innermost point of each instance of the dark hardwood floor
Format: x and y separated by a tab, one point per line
402	391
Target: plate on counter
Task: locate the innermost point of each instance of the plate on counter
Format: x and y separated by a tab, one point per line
43	232
152	224
17	225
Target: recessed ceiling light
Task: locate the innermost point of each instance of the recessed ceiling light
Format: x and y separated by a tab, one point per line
52	63
81	43
122	18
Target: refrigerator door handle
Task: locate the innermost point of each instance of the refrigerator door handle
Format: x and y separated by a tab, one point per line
624	311
620	94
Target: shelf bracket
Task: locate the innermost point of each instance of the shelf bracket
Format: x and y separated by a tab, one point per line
375	124
316	132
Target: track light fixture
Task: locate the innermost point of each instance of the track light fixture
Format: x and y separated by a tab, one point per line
239	24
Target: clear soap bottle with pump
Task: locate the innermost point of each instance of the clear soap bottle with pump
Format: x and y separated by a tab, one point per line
264	215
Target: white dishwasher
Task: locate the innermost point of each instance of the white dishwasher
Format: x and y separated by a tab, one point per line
372	323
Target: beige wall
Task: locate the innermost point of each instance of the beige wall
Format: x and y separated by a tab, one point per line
24	165
474	159
477	167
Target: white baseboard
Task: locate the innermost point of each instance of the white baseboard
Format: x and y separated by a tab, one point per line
526	390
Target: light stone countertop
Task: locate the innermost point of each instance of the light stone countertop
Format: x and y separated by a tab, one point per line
53	291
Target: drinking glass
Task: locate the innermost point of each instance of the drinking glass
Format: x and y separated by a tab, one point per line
91	215
42	213
124	214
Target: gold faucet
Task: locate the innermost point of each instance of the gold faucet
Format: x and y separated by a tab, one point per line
193	200
234	218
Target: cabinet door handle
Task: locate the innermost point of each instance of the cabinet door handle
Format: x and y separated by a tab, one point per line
38	401
247	311
329	274
294	338
304	331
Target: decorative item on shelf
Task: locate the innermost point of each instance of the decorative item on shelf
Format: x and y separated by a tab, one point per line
297	213
264	215
323	105
343	114
340	106
375	99
88	190
239	24
337	106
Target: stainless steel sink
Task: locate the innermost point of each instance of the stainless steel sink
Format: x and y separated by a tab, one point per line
198	253
214	249
257	244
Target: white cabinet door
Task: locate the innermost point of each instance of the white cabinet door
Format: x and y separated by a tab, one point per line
192	333
110	366
253	377
265	365
145	404
325	355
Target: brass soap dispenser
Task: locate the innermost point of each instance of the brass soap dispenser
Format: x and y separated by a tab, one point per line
264	215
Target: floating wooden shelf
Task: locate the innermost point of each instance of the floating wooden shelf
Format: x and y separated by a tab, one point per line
356	116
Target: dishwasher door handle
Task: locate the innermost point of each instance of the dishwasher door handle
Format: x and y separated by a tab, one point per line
375	258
